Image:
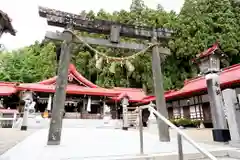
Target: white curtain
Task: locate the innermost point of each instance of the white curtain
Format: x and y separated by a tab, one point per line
107	109
1	104
152	116
89	104
49	105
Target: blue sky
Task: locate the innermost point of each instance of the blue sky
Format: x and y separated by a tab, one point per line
30	27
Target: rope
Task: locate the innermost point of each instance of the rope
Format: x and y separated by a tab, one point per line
108	57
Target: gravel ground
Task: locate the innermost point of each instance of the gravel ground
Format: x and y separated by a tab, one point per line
10	137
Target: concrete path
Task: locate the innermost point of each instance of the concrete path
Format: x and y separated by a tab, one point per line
94	143
10	137
92	139
198	135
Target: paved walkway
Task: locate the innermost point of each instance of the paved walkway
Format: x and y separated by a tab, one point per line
10	137
198	135
83	139
95	143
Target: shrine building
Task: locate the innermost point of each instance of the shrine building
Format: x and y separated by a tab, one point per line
189	102
192	101
79	92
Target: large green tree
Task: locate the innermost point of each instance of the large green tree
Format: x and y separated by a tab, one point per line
199	24
203	22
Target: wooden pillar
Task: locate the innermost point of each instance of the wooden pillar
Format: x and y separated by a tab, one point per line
163	128
54	136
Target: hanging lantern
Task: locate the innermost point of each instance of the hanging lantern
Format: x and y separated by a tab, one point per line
129	66
112	68
99	63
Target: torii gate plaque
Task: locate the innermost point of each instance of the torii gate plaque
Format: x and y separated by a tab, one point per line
72	21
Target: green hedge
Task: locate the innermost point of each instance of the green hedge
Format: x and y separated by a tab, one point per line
186	122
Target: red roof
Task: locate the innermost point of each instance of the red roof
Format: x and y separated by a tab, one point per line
208	51
88	88
71	89
7	90
72	72
8	83
133	94
228	76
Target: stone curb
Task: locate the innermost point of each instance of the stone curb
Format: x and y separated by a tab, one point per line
171	156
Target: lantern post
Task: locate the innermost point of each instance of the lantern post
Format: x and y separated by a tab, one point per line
209	64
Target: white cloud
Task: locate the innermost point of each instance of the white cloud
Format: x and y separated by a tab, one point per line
30	27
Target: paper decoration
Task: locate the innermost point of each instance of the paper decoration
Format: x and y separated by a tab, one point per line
112	68
99	63
129	66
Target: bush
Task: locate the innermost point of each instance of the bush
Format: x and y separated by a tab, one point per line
196	122
186	122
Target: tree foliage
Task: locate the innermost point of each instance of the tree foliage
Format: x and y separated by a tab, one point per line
199	24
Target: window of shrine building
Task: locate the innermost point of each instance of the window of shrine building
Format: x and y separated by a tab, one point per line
189	107
176	113
196	112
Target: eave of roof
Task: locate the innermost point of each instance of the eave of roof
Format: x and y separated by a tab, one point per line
7	90
228	77
72	70
71	89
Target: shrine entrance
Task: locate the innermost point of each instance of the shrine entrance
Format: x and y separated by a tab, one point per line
80	23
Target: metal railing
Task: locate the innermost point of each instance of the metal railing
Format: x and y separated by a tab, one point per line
179	136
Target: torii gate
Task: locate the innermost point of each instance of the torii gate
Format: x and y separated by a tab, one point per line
71	21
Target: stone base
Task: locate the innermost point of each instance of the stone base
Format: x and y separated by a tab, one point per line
23	128
221	135
125	128
52	143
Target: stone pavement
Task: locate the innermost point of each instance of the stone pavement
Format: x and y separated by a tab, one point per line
10	137
92	139
198	135
95	143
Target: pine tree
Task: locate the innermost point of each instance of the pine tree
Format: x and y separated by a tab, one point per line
202	23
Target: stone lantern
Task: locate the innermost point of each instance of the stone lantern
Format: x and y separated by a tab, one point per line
125	103
209	61
209	65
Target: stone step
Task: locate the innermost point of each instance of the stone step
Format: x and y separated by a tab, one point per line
220	155
223	158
